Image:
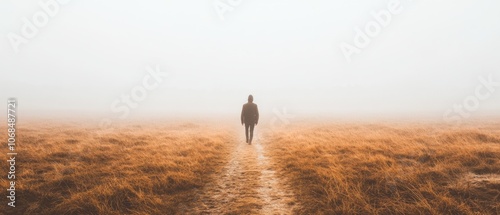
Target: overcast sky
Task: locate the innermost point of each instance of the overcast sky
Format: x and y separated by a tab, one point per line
426	58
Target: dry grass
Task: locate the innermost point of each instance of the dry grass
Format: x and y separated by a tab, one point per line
66	168
396	169
136	169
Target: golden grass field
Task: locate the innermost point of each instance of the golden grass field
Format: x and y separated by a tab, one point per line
391	168
137	169
329	168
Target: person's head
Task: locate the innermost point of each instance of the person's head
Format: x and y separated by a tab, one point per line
250	98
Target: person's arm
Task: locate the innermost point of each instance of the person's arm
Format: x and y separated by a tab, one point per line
242	114
256	114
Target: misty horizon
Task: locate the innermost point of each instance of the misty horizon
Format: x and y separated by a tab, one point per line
424	59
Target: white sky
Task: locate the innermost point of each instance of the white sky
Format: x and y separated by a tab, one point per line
284	52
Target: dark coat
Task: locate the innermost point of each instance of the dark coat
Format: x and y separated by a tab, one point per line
250	113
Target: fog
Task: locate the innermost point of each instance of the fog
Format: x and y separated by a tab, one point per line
203	58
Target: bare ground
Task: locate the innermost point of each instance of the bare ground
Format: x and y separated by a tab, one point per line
248	184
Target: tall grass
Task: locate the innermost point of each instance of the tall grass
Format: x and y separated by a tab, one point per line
391	169
135	169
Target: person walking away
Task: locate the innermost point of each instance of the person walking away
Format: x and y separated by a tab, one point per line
249	117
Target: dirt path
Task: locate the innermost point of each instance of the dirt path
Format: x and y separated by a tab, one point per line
248	184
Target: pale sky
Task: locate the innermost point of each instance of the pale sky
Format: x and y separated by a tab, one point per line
427	58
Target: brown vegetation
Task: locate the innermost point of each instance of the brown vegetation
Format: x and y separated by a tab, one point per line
135	169
396	169
161	168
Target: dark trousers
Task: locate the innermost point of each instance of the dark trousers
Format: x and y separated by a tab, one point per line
249	132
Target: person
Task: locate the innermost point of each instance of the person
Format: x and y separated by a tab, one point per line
249	116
